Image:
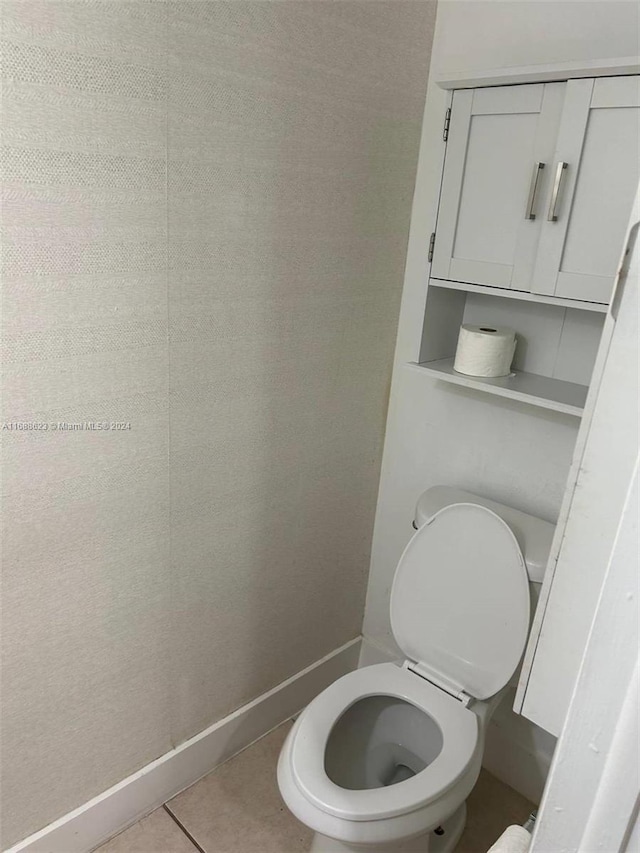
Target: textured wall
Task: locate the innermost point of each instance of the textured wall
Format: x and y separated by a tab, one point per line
206	208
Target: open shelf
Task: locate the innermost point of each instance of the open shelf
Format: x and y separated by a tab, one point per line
542	391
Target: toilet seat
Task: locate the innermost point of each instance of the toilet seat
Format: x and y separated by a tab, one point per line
460	734
460	601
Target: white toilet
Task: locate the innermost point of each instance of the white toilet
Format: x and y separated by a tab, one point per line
384	758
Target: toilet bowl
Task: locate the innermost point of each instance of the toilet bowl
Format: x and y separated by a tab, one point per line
385	757
377	757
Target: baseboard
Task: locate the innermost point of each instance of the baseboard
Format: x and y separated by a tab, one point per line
112	811
510	751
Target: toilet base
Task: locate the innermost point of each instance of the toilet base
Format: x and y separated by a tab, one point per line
430	842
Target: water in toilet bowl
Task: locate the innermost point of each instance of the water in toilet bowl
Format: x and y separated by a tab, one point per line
389	763
380	741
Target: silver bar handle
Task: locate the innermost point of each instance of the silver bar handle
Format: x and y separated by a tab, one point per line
533	189
557	183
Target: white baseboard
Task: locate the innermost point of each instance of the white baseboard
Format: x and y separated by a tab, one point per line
112	811
516	751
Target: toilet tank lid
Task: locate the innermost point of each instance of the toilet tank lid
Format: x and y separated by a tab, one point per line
534	535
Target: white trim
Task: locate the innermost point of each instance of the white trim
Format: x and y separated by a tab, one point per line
112	811
615	795
599	742
621	65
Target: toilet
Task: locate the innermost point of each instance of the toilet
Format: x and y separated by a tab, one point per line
385	757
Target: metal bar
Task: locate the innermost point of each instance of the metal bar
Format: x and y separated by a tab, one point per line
533	189
553	214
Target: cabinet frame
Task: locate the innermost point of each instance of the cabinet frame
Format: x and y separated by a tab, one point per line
619	66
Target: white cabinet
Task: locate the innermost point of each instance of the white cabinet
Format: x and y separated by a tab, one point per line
538	185
596	171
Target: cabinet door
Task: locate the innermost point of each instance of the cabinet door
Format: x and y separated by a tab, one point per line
496	176
595	177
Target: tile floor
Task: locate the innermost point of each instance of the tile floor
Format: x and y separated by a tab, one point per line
237	809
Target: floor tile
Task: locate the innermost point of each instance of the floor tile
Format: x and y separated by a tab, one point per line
157	833
238	806
492	807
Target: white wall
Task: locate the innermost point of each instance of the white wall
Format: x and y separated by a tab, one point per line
206	209
443	434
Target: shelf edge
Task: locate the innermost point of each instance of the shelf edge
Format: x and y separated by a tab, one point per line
519	295
498	391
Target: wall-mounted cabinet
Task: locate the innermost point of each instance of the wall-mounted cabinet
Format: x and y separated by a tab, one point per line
538	185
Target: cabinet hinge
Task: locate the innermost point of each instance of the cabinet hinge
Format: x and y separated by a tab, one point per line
447	122
432	242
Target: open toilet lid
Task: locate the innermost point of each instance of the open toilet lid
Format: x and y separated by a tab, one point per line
460	600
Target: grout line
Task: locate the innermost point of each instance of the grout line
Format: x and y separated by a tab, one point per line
183	828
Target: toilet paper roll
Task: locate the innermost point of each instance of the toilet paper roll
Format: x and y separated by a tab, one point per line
485	350
515	839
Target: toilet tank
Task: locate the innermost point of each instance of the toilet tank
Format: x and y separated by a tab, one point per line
533	534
